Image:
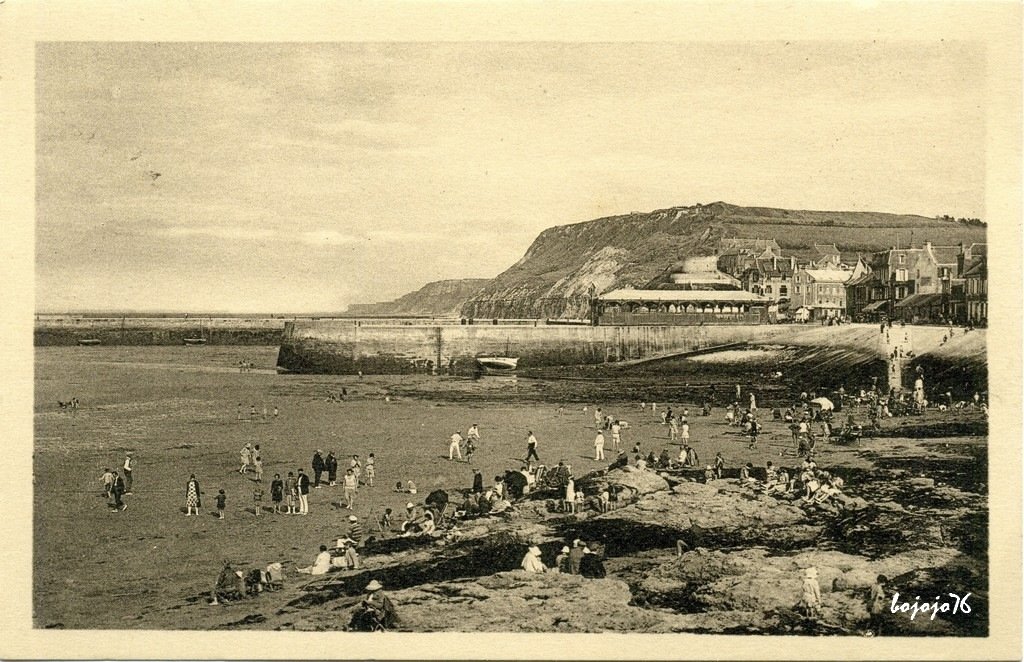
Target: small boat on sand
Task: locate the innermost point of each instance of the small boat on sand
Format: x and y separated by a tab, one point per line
195	341
88	342
498	363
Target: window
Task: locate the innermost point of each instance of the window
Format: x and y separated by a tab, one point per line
783	290
767	289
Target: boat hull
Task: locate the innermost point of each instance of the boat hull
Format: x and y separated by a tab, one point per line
498	364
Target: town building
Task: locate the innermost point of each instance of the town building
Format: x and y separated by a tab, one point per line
976	292
825	256
736	255
822	292
770	277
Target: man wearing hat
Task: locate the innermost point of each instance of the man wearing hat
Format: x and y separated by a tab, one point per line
355	530
576	556
562	560
376	611
531	561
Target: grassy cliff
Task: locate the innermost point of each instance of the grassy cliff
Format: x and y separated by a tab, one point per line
555	275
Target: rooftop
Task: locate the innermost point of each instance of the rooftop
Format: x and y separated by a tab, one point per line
729	296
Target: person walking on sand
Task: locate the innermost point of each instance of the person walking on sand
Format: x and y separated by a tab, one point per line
351	485
129	466
531	447
245	456
192	496
599	446
108	481
302	481
473	434
455	446
117	491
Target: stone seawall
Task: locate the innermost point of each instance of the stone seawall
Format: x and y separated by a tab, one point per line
158	331
343	347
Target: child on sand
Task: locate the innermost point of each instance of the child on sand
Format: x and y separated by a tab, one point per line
222	502
257	500
108	481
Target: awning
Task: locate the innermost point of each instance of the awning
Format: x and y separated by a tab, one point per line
874	307
928	300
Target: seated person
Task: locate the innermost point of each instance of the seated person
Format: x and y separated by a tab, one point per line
664	460
230	585
780	485
531	561
321	565
344	554
709	474
745	476
376	612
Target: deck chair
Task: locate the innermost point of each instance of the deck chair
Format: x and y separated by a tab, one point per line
273	577
538	478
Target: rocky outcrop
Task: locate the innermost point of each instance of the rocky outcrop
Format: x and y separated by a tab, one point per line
441	298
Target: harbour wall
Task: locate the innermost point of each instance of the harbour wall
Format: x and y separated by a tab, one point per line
343	347
69	330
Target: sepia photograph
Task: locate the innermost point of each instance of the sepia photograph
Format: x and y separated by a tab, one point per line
479	335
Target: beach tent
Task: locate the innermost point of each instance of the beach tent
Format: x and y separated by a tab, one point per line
824	403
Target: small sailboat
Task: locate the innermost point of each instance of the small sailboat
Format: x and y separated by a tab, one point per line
492	364
88	342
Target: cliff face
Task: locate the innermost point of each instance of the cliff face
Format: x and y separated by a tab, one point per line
555	276
442	297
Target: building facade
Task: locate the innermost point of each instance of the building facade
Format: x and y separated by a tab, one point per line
822	292
976	292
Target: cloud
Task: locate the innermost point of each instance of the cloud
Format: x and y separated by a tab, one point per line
219	232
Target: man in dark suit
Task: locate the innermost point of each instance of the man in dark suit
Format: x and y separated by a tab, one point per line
318	468
117	490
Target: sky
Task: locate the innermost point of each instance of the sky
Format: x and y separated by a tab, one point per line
297	178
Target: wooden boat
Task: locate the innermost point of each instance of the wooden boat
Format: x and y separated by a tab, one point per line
88	342
498	363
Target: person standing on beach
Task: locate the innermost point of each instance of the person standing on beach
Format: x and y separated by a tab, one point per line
616	435
531	447
331	464
455	446
318	468
277	492
302	482
599	446
473	434
357	468
192	496
222	502
257	463
371	469
291	492
351	485
129	466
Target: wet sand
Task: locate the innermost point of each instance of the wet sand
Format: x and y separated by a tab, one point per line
176	409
